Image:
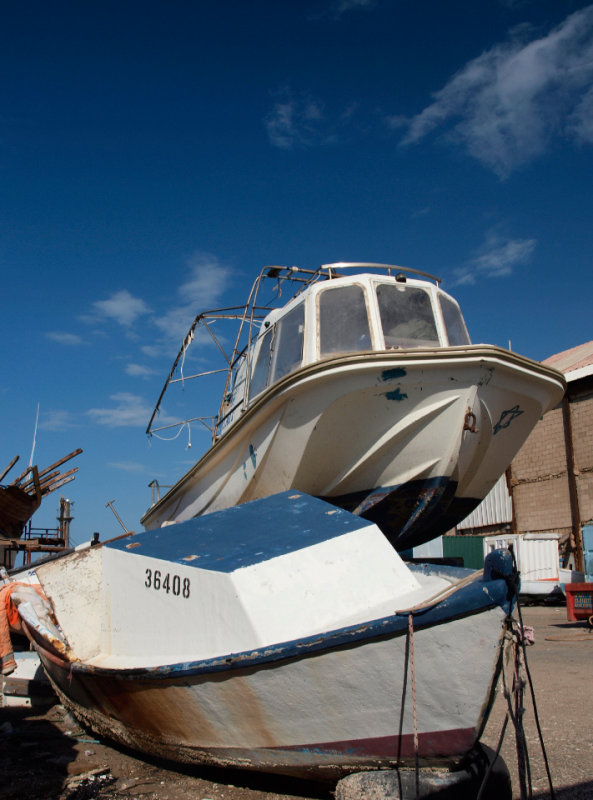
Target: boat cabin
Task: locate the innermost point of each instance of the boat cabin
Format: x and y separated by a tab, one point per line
365	312
326	314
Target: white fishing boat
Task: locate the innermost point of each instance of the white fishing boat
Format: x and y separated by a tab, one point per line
362	389
283	635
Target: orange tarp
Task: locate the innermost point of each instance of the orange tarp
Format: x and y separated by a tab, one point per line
10	621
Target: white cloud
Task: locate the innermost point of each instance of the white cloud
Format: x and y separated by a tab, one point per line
202	291
353	5
140	371
122	307
296	122
57	420
174	324
130	410
301	121
127	466
508	104
497	258
337	8
68	339
156	333
580	123
207	280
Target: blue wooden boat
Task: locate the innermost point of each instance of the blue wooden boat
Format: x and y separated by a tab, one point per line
276	636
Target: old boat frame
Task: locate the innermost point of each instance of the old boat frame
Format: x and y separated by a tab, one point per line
265	637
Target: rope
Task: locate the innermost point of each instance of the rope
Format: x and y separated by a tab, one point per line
578	635
535	711
170	438
401	715
515	635
442	594
518	712
414	705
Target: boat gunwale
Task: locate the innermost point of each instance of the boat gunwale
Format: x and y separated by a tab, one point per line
366	359
473	598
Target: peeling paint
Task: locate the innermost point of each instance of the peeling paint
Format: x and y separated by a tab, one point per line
253	458
395	372
396	394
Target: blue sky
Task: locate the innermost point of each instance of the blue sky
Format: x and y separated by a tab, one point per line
155	155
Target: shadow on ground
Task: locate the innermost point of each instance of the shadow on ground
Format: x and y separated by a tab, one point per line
580	791
35	756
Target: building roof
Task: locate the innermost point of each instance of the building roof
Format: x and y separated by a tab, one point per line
574	363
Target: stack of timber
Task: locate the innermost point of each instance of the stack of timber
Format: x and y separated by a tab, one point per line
20	499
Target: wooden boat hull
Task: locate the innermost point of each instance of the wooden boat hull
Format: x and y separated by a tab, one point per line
412	440
17	506
317	715
171	642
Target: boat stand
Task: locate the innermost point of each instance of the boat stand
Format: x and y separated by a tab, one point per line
466	782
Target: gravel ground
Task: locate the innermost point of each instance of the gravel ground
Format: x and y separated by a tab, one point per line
47	756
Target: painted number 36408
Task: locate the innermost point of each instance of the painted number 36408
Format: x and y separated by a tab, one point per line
167	583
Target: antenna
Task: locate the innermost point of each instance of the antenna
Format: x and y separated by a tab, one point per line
34	437
118	518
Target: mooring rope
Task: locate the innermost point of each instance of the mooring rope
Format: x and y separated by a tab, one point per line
516	636
442	593
522	645
414	705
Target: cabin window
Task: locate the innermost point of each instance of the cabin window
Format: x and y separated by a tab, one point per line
343	320
406	316
288	343
454	324
259	377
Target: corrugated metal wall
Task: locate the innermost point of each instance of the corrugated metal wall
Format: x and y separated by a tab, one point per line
536	554
495	509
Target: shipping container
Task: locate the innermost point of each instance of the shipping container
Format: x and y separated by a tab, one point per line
470	548
537	559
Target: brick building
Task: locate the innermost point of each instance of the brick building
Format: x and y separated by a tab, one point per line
551	477
548	489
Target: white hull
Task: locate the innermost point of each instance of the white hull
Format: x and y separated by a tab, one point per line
410	439
324	714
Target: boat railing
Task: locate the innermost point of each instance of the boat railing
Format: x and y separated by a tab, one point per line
207	422
156	487
389	268
248	319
